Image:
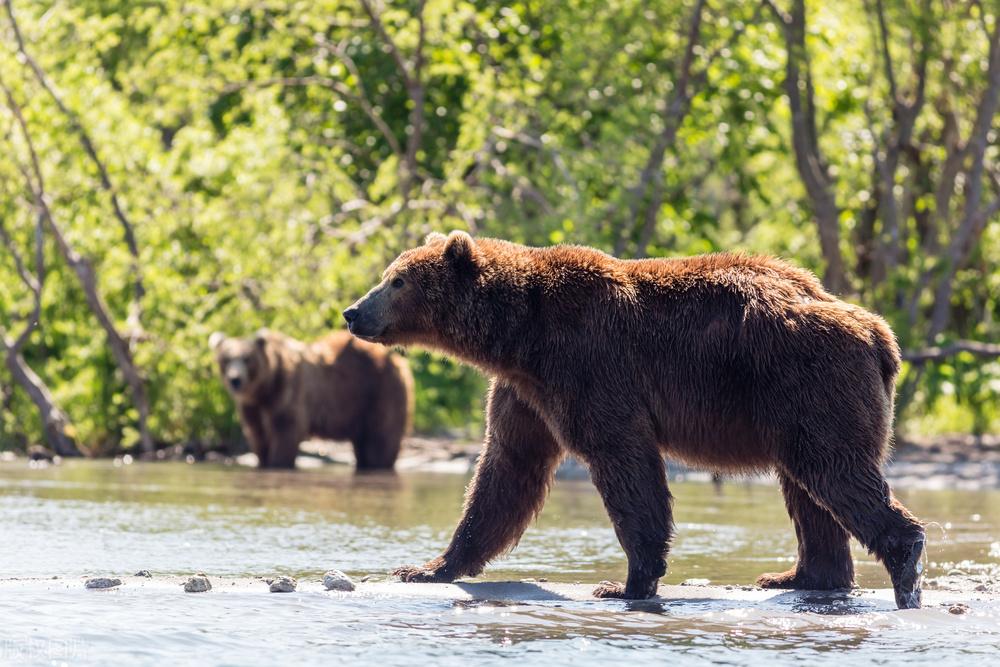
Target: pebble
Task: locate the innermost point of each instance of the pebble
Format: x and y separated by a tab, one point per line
283	585
695	582
102	582
199	583
958	608
335	580
144	573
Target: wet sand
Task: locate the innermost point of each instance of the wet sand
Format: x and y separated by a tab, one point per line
957	592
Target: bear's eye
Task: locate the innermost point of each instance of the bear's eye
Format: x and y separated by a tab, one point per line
397	282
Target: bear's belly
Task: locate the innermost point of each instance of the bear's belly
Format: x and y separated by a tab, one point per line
720	447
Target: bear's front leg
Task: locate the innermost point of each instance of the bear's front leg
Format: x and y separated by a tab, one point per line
632	481
508	489
252	421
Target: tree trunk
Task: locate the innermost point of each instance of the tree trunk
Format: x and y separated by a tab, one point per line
55	420
808	158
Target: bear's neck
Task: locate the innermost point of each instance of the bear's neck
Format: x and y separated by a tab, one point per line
499	329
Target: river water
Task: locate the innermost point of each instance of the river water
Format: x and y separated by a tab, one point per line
98	518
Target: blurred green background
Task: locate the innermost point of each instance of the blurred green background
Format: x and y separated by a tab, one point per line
270	158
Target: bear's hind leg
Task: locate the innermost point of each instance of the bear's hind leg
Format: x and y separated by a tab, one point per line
856	493
824	546
512	478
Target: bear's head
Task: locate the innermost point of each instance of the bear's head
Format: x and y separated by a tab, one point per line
427	296
243	362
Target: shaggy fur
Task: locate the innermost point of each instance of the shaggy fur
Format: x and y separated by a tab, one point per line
728	362
338	387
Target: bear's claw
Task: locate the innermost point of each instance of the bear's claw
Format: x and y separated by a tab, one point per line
610	589
619	591
413	574
906	578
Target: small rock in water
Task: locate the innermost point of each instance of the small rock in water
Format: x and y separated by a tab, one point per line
958	608
695	582
367	577
199	583
144	573
102	582
283	585
335	580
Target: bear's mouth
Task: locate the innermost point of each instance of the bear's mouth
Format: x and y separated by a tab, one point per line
364	334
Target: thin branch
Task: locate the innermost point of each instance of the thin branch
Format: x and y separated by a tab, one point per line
362	97
375	19
412	75
887	63
536	143
781	15
677	107
86	276
334	85
974	218
88	146
809	159
33	283
986	350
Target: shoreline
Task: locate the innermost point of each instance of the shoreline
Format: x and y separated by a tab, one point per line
960	461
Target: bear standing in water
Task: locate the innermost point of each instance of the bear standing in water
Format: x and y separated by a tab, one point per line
338	388
728	362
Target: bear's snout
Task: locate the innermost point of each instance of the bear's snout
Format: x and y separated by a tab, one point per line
361	323
235	382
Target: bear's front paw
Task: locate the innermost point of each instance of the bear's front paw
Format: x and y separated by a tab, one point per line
413	574
787	579
610	589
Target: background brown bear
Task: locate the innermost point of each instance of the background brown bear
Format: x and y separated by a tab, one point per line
338	387
729	362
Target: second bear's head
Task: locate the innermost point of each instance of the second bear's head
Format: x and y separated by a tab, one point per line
244	363
434	295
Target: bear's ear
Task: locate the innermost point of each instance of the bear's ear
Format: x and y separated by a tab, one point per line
434	237
260	338
215	340
460	251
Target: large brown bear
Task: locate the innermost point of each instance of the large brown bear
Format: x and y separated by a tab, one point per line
730	362
338	388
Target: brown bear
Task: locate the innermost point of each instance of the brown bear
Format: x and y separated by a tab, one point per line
727	361
338	387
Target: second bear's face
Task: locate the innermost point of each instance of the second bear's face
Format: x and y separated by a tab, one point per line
419	293
242	362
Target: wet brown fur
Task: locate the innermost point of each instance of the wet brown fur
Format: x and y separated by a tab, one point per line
338	387
730	362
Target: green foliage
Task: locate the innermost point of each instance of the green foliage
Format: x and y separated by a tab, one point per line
262	151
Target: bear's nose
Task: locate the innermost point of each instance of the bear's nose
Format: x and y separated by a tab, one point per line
235	382
351	314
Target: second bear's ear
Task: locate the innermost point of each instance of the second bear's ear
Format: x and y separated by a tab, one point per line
215	340
260	338
460	250
434	237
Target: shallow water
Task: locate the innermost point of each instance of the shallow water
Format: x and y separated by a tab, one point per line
86	518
